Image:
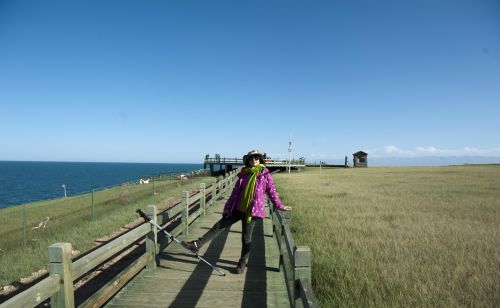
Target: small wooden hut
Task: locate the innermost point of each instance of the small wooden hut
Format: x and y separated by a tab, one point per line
360	159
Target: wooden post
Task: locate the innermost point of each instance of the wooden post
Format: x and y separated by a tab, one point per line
215	185
185	211
202	198
152	238
286	216
301	270
60	264
220	186
222	178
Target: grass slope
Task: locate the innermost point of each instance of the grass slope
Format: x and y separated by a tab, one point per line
70	220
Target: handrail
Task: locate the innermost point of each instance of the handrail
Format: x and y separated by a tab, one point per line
98	256
295	261
36	294
224	160
63	271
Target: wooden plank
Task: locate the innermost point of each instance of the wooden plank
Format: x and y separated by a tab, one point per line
185	211
277	230
209	188
203	198
177	231
289	244
172	211
165	241
195	215
307	298
174	284
194	198
36	294
108	290
213	298
98	256
288	274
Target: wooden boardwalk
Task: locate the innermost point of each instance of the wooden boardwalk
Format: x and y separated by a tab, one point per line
180	280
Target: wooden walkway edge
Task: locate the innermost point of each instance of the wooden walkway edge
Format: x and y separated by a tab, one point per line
180	280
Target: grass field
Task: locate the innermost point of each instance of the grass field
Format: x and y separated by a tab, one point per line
70	220
420	236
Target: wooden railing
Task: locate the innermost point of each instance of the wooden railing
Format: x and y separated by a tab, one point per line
239	161
59	285
224	160
295	261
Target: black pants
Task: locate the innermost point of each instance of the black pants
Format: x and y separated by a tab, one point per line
226	222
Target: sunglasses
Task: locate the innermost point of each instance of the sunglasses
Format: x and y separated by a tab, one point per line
254	157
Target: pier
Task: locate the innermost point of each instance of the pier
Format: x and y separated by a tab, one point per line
223	165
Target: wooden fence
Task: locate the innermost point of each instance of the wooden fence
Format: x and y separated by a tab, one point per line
295	261
63	272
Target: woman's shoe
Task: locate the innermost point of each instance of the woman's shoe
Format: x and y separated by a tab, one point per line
241	267
192	245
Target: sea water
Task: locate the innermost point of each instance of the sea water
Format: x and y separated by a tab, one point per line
22	182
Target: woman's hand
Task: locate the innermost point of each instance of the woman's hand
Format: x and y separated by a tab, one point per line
286	208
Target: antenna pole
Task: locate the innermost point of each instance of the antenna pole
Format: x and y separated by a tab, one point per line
289	154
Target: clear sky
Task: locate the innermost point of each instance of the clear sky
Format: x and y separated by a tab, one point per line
171	81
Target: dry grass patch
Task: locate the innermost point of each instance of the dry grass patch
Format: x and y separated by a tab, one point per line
422	236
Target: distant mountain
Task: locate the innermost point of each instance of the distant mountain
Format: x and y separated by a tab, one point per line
430	161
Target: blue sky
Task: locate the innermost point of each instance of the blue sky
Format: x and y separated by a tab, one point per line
171	81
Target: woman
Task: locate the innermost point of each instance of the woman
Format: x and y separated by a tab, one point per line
246	203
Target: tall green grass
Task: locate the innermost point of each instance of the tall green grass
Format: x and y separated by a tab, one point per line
422	236
70	220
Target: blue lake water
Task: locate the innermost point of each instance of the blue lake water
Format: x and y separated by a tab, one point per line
22	182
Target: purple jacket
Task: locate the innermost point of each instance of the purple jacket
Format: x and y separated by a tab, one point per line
264	184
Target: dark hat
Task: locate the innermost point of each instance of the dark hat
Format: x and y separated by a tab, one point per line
252	153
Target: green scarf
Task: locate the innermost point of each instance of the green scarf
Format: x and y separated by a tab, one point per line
248	192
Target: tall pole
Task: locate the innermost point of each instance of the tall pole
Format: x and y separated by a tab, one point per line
93	205
25	222
289	154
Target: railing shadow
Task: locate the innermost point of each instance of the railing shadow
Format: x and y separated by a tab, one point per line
192	290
